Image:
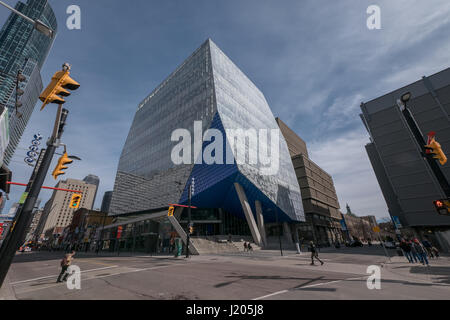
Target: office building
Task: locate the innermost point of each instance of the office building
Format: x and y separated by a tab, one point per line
93	179
106	202
57	212
405	178
208	94
319	196
23	48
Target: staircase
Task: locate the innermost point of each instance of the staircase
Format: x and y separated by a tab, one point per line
220	244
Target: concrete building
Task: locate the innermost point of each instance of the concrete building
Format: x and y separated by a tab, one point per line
319	197
31	233
85	228
57	212
405	178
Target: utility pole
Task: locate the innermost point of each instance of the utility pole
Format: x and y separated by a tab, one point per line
18	230
414	128
188	233
279	231
60	82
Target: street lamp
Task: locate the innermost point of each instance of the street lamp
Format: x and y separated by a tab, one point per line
38	25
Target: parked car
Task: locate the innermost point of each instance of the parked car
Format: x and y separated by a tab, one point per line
390	245
356	243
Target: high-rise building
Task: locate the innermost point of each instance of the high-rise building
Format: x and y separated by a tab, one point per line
23	48
405	178
106	202
319	197
207	94
93	179
57	211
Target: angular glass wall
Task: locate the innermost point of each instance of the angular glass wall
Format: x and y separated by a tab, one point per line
147	177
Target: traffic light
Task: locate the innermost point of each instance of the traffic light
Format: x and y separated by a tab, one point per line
170	212
442	206
191	230
436	150
56	90
61	165
75	201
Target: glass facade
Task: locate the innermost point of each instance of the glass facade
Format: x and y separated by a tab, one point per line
23	48
207	87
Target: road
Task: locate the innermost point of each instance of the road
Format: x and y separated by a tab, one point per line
259	275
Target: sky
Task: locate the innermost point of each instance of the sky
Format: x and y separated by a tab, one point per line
314	60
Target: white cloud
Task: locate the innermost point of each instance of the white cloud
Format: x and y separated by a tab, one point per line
345	159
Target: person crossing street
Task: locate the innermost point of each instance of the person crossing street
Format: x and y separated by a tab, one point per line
65	264
314	253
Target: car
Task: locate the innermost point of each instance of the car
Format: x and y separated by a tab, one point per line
356	243
390	245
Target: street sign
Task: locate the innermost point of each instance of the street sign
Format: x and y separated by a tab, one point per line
376	229
170	212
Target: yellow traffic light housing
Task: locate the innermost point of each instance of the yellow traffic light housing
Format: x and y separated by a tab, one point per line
75	201
442	206
436	149
57	88
170	212
61	165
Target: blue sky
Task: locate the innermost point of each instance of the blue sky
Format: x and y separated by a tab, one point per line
314	60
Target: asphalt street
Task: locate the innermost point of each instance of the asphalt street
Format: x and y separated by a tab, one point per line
243	276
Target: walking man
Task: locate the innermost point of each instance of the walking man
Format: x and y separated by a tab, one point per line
65	263
406	247
314	253
421	251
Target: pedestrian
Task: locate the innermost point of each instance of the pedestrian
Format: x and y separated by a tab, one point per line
414	253
249	247
427	245
65	263
406	247
435	252
421	251
245	246
314	253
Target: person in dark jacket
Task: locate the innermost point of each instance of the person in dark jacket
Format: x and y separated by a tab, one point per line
406	247
314	253
421	251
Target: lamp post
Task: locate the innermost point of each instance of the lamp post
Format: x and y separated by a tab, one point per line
38	25
279	229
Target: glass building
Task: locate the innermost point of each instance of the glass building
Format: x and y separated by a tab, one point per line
23	48
210	88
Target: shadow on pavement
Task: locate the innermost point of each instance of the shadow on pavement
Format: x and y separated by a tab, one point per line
58	255
434	271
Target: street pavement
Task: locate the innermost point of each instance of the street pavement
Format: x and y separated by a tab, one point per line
257	275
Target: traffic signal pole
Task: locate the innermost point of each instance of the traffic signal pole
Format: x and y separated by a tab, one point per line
188	236
429	157
18	230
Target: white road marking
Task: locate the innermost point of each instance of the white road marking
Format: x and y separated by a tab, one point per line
54	276
107	275
309	286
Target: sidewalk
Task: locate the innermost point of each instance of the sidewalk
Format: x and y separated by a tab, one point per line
438	271
7	291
